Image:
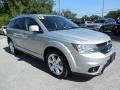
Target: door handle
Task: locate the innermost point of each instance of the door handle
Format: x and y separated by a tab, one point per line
25	36
18	35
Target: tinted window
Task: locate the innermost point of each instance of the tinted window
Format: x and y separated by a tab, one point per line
82	22
11	24
89	22
30	21
20	24
111	21
57	23
100	21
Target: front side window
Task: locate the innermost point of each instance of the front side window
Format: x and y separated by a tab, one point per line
29	22
20	24
53	23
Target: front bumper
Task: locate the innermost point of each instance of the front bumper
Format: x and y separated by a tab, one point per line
93	64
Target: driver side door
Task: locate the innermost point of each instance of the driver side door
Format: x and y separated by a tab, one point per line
34	41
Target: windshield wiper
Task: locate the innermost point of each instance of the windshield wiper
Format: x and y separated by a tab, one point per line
67	28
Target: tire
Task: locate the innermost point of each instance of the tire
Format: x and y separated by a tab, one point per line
102	30
12	48
116	32
57	64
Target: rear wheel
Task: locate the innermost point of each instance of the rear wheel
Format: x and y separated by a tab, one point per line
12	48
116	32
57	64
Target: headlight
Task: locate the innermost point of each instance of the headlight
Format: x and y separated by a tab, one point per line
85	48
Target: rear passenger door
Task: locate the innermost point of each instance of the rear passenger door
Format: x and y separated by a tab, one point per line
18	32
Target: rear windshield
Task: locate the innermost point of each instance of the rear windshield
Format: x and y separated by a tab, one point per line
100	21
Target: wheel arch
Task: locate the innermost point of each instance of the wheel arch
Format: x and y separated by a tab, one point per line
9	39
63	49
54	48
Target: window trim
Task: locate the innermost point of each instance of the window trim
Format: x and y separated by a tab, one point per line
40	29
16	21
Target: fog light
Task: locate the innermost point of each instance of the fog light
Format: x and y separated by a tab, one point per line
93	69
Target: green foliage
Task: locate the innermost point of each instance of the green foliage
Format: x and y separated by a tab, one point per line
90	18
94	17
69	14
4	19
38	6
85	18
16	7
113	14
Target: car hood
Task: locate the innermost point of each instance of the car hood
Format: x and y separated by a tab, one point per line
80	35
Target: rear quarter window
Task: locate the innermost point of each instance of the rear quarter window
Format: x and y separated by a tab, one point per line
11	24
20	24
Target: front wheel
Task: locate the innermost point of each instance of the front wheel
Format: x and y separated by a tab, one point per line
102	30
57	64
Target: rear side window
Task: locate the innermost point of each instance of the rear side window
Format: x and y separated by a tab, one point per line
20	24
100	21
112	21
11	24
82	22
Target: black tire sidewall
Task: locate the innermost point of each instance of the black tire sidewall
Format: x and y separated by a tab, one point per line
116	32
101	30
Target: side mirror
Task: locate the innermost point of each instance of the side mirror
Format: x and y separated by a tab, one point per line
34	28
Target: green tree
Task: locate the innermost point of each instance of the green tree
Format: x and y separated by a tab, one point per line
113	14
16	7
85	18
38	6
69	14
94	17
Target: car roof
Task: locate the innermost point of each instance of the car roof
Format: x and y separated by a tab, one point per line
32	15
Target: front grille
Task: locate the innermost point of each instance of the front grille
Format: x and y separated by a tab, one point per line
105	47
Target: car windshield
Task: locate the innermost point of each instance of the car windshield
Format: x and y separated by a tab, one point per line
100	21
53	23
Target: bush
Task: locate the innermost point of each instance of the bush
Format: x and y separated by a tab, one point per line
4	19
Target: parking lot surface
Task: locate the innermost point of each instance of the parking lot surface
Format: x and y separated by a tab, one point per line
23	72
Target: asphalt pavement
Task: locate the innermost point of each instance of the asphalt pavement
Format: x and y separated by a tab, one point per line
23	72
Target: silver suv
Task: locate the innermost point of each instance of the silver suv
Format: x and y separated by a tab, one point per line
61	44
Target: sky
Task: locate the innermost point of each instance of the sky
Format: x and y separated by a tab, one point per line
87	7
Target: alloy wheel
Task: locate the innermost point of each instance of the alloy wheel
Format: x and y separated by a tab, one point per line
55	64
